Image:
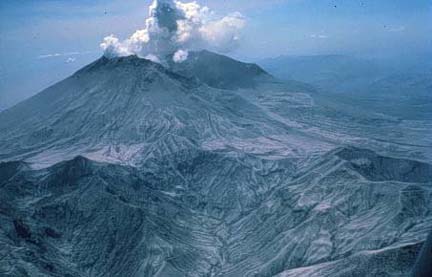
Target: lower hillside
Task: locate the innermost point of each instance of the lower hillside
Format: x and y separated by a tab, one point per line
209	213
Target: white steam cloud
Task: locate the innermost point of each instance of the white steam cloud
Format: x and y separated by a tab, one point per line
180	56
176	27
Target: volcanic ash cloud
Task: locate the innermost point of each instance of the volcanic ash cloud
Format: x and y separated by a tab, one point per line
174	27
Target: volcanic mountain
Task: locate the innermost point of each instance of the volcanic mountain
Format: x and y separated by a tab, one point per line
126	103
211	167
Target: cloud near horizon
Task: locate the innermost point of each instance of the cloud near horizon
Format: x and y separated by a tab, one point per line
67	54
175	27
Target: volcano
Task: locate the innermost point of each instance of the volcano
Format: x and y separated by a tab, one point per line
210	167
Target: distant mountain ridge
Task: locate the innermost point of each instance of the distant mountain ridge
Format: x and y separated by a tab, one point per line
399	87
336	73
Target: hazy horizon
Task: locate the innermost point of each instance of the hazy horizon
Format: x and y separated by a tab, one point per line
45	41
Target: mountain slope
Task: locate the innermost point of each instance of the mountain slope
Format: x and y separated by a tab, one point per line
123	103
220	71
129	168
201	213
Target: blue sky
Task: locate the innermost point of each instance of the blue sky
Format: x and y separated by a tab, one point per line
43	41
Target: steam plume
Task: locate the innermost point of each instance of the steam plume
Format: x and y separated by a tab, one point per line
174	27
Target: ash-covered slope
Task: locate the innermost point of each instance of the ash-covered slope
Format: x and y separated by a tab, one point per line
220	71
201	213
86	106
129	168
124	110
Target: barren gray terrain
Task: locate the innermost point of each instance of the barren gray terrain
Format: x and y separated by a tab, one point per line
208	168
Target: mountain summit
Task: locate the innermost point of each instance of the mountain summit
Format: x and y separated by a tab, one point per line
130	104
